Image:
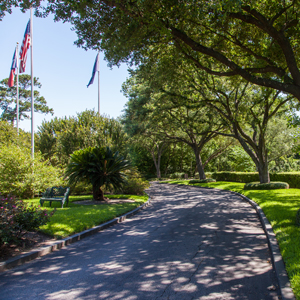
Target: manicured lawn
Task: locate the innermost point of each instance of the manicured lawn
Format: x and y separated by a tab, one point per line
280	207
76	218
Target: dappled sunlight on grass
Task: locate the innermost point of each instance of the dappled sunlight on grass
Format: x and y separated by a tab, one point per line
78	217
80	197
176	182
233	186
224	185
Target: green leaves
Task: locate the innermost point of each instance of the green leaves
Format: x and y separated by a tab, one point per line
60	137
22	176
98	166
8	100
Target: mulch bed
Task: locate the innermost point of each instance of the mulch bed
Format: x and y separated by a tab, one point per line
29	241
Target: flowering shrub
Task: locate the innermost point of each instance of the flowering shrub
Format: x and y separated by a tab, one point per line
16	218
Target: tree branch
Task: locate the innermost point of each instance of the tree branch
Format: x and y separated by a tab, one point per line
236	69
261	22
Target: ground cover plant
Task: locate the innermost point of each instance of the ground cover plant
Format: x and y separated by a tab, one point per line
280	207
78	217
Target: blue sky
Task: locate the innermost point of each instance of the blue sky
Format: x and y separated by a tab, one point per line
64	70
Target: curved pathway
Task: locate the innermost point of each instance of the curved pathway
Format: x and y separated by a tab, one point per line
190	243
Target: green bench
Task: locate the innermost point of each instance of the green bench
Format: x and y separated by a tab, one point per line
58	194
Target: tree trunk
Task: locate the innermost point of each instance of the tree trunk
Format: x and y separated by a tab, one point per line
98	194
263	171
160	149
157	164
158	174
259	157
199	163
261	162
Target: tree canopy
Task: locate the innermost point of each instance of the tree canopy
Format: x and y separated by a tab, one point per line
251	43
159	107
257	40
59	138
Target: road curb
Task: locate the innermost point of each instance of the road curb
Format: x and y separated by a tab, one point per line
277	261
39	252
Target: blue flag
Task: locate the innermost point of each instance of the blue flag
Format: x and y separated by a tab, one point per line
95	69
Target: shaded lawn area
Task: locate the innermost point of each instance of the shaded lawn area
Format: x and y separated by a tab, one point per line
76	217
280	207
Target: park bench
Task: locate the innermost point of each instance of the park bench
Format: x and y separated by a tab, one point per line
58	194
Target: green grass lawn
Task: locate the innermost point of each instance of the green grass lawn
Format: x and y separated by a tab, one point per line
76	218
280	207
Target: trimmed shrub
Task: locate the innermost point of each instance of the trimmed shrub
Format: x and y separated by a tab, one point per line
202	181
207	174
266	186
16	218
236	176
135	184
293	178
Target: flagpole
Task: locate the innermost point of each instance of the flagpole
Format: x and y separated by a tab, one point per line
17	51
98	83
32	95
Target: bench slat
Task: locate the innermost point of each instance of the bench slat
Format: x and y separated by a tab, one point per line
59	194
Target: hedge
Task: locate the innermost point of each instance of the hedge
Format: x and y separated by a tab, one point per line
292	178
266	186
207	174
236	176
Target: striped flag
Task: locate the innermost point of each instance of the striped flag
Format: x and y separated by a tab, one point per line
24	47
13	69
95	69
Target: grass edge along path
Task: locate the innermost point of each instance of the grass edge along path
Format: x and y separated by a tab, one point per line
78	217
280	208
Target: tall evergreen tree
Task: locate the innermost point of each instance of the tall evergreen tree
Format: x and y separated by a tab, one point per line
8	100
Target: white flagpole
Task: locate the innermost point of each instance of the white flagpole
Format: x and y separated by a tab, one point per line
17	87
98	83
32	95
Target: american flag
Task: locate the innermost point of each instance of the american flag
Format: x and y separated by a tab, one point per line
13	68
24	47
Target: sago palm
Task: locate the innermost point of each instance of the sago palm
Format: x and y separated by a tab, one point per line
98	166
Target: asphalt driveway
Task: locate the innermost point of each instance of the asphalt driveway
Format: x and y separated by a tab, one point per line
190	243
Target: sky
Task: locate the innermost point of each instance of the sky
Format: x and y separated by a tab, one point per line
63	69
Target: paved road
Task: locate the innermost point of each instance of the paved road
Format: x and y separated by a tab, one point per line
190	243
